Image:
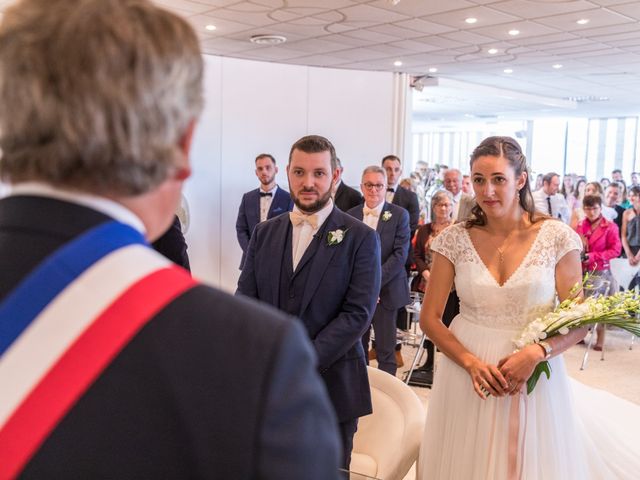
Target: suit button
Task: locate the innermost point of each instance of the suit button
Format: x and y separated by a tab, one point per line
292	294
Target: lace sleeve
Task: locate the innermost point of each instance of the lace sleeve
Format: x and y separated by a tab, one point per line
566	240
448	242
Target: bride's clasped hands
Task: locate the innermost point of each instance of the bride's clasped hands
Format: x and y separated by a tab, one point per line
507	377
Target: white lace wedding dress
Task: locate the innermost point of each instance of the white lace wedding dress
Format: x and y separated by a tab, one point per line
563	430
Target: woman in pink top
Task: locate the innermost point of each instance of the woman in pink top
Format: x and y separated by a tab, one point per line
601	243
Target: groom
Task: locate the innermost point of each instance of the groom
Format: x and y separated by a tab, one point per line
323	266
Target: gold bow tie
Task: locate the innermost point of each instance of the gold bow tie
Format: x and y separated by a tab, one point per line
298	218
371	211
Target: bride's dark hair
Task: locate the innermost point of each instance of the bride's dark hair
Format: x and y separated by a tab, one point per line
509	149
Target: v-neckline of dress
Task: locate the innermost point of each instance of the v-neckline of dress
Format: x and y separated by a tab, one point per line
518	268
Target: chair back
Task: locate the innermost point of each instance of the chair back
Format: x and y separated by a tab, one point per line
622	272
388	441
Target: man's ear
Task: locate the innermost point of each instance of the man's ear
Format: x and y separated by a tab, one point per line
185	141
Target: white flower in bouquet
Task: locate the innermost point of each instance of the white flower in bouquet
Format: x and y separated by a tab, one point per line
620	310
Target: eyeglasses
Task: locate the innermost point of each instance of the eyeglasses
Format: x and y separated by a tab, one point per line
372	186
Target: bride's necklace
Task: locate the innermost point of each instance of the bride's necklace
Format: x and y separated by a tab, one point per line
501	251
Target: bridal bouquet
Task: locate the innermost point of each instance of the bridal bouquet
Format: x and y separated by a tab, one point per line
619	310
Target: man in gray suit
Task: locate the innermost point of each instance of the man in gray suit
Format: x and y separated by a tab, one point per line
462	203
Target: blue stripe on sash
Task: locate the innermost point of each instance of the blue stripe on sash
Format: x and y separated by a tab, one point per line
56	272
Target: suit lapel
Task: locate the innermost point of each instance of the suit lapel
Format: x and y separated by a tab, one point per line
359	213
381	222
277	206
320	261
277	253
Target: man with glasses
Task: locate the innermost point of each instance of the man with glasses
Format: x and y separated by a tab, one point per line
392	225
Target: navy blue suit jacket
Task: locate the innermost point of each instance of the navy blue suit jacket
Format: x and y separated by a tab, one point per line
249	214
395	237
338	299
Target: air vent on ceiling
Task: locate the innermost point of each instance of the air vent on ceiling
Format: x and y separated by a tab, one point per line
268	39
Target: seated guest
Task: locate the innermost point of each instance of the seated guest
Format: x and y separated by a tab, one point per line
441	218
392	225
115	363
547	200
592	188
601	243
631	228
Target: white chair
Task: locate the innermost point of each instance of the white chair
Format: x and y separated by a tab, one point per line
623	273
597	288
388	441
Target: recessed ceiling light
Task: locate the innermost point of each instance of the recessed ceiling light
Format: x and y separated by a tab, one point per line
583	21
557	66
397	63
211	28
514	32
433	70
492	51
268	39
471	20
508	70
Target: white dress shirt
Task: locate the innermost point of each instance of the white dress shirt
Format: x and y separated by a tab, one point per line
302	234
265	202
371	219
559	206
389	196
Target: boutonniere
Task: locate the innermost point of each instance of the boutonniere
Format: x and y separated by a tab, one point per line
386	216
336	236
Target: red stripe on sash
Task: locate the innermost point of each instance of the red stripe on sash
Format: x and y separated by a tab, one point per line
82	364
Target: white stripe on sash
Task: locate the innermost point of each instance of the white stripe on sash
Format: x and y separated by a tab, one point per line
49	336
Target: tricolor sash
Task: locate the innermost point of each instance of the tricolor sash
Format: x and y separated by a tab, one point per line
65	323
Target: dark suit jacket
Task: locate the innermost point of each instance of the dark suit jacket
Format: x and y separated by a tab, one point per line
172	404
409	201
395	238
347	197
173	245
338	300
249	214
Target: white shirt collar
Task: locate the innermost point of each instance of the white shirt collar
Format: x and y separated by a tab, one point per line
109	207
377	209
272	191
323	213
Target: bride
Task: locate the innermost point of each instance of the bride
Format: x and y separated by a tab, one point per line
508	265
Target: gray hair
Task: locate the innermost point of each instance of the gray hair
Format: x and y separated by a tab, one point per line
96	94
375	169
437	198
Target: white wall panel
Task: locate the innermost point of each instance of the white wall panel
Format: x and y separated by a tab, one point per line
264	109
255	107
353	110
202	190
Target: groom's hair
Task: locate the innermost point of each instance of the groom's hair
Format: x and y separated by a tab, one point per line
316	144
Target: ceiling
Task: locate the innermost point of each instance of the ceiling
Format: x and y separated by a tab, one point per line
600	59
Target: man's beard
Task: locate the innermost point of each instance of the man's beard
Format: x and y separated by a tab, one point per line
268	180
318	205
